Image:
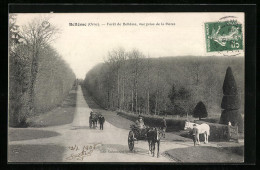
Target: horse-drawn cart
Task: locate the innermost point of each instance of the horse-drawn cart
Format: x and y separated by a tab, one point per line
152	135
136	134
93	119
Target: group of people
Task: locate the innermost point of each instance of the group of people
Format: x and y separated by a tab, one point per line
100	118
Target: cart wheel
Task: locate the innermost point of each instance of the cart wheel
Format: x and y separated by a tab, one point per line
131	140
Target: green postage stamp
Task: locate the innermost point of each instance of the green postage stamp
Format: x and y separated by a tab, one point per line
223	36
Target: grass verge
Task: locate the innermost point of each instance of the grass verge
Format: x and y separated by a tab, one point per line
204	154
61	115
35	153
27	134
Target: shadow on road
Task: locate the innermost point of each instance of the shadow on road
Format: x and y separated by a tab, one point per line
123	149
79	127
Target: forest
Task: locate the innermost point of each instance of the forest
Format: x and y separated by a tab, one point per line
39	79
133	82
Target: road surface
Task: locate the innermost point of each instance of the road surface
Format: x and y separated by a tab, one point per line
83	144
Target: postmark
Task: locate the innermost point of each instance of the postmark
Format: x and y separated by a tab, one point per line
224	35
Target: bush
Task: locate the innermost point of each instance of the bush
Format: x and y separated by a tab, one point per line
234	117
230	102
229	85
218	132
172	124
200	111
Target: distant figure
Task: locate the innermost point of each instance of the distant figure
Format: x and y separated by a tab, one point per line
101	120
90	121
164	126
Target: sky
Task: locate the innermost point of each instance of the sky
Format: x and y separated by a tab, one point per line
82	47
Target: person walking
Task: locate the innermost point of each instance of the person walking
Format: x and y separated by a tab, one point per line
164	126
101	122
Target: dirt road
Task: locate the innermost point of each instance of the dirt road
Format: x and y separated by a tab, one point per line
83	144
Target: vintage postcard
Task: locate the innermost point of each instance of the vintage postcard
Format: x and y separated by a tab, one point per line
126	87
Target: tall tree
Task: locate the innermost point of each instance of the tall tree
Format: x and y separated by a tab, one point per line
173	94
148	84
37	34
135	58
231	102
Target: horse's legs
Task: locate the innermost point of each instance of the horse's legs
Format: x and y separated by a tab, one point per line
153	147
198	138
205	137
194	139
158	148
150	147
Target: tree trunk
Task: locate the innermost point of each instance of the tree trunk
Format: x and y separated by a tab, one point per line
132	109
34	71
123	93
118	90
108	102
136	101
148	103
155	110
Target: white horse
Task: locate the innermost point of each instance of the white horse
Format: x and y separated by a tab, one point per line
198	129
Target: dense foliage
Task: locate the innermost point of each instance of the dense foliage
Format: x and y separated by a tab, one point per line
38	78
218	132
133	82
200	111
231	102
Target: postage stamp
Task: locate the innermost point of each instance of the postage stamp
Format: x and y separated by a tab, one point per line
223	36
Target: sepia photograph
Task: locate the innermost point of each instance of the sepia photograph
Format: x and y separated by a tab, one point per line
156	87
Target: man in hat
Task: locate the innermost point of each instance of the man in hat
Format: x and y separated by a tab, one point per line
101	120
140	125
195	133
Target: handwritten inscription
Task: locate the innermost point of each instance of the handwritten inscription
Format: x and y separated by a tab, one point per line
80	154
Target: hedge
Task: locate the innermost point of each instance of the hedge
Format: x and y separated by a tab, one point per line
218	132
172	124
234	117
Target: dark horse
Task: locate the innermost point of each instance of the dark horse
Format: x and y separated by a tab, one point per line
93	119
154	136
